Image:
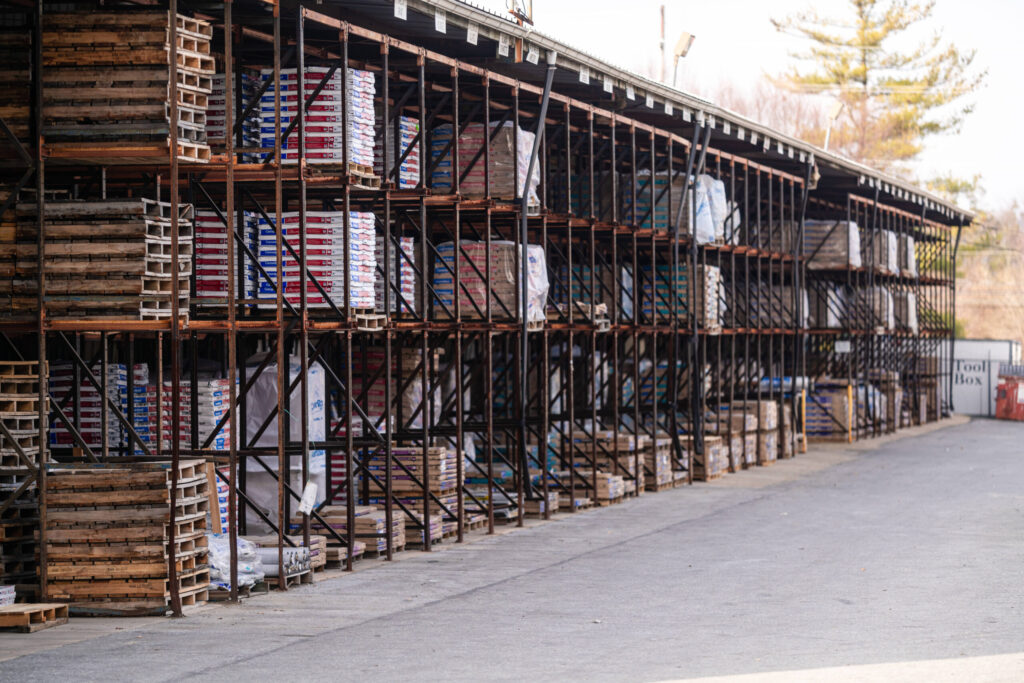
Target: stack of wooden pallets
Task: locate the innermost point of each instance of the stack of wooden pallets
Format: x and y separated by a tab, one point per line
20	455
370	528
106	85
16	84
108	259
409	479
107	528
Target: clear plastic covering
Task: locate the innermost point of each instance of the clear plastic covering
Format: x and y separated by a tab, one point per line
472	268
250	568
509	161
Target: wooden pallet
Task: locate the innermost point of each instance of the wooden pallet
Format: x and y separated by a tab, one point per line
106	81
107	530
104	258
19	458
29	618
368	320
358	174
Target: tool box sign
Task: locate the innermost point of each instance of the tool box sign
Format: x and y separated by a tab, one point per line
970	373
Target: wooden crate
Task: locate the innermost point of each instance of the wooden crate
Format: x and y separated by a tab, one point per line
107	528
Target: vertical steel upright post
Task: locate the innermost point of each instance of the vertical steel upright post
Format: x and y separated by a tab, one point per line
172	553
300	131
37	129
282	359
232	293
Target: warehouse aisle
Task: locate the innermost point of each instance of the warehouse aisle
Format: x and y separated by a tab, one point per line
911	551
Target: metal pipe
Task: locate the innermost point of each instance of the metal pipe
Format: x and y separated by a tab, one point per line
525	269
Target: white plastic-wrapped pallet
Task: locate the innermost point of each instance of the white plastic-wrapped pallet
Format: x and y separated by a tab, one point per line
211	261
905	305
261	400
907	256
216	112
509	161
705	229
212	400
250	567
325	258
505	297
402	276
718	204
408	175
341	112
892	251
90	404
876	307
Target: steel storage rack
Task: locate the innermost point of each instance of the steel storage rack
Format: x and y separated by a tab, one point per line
457	294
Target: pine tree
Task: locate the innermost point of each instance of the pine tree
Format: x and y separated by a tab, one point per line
896	92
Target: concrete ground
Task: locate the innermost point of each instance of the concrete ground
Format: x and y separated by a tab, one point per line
897	559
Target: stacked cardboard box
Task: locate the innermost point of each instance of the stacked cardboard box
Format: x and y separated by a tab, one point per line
610	452
882	251
831	244
341	114
90	405
370	527
767	446
509	161
213	399
779	237
610	487
408	175
657	300
472	264
325	258
710	464
664	216
828	412
246	88
402	276
737	425
875	308
211	246
657	458
827	306
409	480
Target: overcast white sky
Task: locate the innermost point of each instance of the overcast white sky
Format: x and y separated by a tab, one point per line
735	42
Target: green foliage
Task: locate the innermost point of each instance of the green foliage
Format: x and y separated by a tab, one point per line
961	191
893	98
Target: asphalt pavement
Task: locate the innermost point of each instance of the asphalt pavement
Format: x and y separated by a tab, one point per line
899	559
